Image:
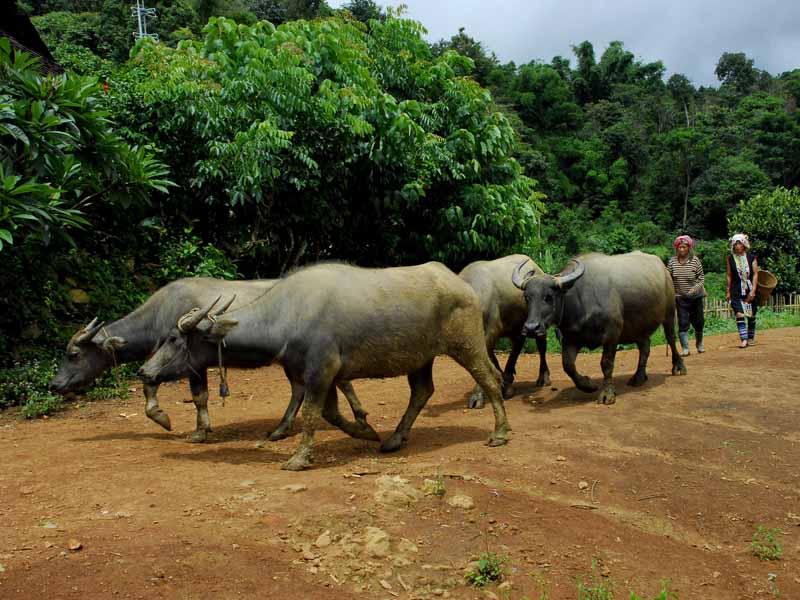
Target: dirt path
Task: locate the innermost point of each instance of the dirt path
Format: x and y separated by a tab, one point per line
677	474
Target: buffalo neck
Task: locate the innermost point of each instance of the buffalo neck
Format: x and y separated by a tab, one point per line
140	332
260	334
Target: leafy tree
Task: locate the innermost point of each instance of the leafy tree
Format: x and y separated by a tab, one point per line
365	10
59	156
736	72
772	221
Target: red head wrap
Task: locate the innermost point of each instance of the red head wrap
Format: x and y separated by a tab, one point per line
683	239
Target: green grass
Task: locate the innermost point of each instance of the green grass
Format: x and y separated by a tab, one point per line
765	544
490	568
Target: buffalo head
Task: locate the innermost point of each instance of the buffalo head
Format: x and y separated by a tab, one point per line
190	345
85	360
544	296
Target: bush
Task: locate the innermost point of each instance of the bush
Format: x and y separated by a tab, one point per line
187	256
712	253
772	221
26	385
765	544
488	569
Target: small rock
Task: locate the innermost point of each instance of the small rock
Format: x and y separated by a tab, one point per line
489	595
376	542
505	586
716	574
295	487
2	568
79	296
560	458
49	525
583	485
385	584
461	501
308	555
324	540
247	483
395	491
74	545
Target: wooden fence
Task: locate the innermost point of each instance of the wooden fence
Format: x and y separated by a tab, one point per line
788	303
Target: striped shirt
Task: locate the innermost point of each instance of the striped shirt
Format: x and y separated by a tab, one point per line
687	277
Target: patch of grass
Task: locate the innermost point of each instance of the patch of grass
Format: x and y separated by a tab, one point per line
25	385
490	568
435	486
113	383
596	588
765	544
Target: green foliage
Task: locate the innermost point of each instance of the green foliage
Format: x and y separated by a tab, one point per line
772	221
663	594
187	256
596	588
59	153
25	384
765	544
490	568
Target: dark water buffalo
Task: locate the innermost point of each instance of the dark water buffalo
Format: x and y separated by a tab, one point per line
331	323
603	301
99	347
504	315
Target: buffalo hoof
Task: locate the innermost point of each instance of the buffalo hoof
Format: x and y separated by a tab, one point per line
585	384
162	419
281	433
679	369
544	379
508	391
365	431
497	440
394	443
607	396
189	401
198	437
476	399
637	380
300	461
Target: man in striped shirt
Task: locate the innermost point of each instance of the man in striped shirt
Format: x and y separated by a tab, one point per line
688	278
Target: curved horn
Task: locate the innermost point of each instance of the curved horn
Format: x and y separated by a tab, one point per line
569	279
87	333
192	319
520	280
225	307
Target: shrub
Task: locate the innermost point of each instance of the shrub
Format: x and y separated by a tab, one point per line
26	385
765	544
488	569
772	221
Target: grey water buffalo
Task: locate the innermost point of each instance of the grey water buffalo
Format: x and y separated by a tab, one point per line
603	301
331	323
504	315
98	347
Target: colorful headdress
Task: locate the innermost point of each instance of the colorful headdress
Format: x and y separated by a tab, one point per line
740	237
683	239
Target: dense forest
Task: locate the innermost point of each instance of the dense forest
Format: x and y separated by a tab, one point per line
258	135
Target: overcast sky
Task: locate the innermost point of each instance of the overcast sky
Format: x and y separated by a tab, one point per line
688	36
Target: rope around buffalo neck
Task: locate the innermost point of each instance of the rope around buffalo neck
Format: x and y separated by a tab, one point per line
224	390
110	349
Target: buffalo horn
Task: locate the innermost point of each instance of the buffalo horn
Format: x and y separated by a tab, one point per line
570	278
88	332
225	306
192	319
520	280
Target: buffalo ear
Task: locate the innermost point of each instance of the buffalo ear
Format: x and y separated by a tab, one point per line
220	328
113	343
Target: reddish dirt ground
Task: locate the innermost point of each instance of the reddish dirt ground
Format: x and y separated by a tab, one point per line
680	473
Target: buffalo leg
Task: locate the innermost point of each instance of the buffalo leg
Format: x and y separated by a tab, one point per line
678	368
641	369
360	429
477	399
313	403
282	431
490	380
569	354
421	384
151	408
544	371
198	383
608	395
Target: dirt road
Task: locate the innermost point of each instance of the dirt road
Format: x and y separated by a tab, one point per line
670	482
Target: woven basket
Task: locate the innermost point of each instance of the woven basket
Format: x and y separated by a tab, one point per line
766	283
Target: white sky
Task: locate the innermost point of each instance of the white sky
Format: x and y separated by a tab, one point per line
688	36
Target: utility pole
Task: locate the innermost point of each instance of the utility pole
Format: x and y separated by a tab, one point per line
141	13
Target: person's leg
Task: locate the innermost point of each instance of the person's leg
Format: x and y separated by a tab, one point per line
751	325
683	324
698	321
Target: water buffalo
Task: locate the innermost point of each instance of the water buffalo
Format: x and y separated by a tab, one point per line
603	301
504	314
98	347
333	322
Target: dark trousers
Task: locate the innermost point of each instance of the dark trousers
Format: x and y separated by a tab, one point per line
690	312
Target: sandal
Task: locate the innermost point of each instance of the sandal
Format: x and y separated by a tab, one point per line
743	344
751	342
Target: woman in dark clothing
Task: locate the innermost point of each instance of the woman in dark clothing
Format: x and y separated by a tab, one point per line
688	279
742	270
